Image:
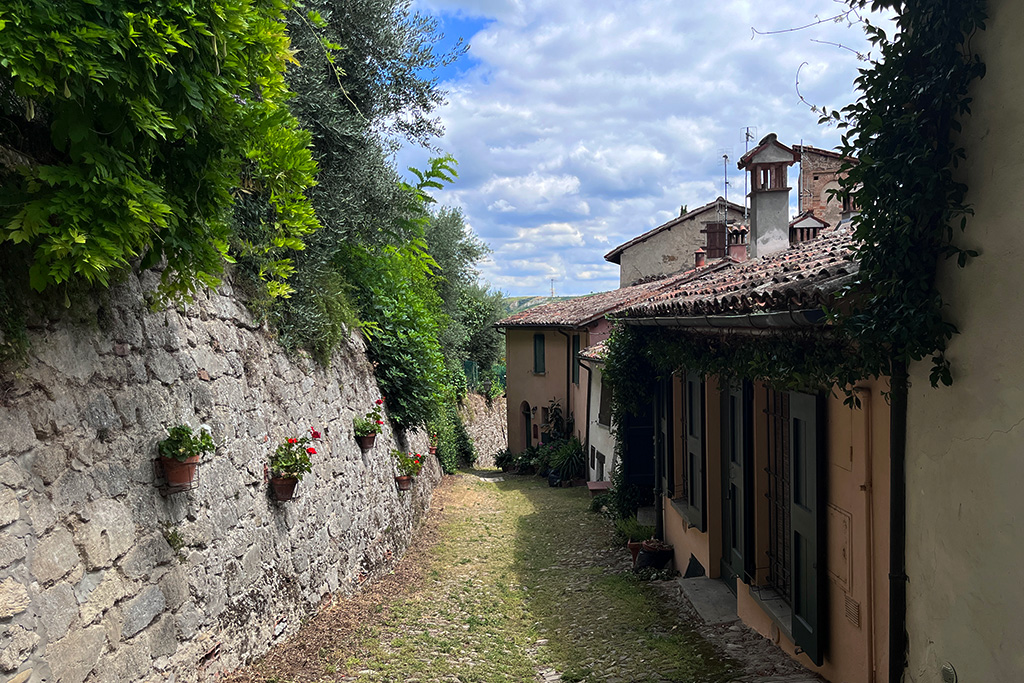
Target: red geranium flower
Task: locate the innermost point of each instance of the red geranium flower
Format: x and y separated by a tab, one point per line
293	440
380	401
311	451
380	422
316	434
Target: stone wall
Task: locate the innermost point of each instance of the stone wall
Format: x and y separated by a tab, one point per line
104	578
486	424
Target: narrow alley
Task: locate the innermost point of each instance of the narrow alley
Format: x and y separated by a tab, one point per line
510	580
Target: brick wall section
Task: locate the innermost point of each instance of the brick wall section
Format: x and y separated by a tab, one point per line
818	174
90	588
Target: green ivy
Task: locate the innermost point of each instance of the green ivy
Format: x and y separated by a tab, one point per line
137	127
904	131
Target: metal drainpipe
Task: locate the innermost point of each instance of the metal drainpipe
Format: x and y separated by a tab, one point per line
864	393
898	522
586	443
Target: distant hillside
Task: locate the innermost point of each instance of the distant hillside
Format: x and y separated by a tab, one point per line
515	304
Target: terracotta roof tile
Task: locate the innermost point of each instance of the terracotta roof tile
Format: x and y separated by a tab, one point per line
585	309
804	276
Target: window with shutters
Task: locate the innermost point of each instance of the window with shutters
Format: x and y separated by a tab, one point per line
796	494
690	467
538	354
604	410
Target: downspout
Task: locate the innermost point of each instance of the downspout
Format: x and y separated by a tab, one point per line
898	522
586	438
864	393
568	374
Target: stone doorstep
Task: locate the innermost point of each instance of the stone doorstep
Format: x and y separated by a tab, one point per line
712	599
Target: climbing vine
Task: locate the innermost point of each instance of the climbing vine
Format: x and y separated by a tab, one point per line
127	133
903	130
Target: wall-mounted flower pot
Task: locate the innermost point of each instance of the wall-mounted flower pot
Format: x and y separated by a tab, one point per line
366	442
433	450
179	474
404	483
283	488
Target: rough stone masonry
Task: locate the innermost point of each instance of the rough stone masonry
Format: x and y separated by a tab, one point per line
105	578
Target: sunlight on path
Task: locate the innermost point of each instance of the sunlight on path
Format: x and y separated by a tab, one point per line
522	584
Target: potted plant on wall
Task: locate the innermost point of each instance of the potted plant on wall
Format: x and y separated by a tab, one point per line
180	453
289	463
368	427
409	465
433	443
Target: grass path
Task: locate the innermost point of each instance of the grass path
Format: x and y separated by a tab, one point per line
507	581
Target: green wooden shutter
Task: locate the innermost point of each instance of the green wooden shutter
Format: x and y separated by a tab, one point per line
693	407
807	510
538	353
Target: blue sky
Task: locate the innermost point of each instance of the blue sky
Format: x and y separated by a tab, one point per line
580	124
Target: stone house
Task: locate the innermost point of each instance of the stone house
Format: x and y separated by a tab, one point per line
669	248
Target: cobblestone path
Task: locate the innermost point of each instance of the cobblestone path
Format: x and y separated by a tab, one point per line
508	580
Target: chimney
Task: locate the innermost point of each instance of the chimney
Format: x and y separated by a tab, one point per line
738	243
699	258
769	164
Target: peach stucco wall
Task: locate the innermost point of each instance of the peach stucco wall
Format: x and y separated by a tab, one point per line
965	443
857	514
523	384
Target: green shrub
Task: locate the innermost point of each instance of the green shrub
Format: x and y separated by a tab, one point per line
569	458
600	502
625	496
629	528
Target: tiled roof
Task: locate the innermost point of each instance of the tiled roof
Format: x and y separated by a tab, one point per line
596	351
802	277
586	309
615	254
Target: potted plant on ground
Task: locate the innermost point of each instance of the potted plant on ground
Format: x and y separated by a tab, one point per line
409	465
654	553
368	427
180	452
633	532
288	463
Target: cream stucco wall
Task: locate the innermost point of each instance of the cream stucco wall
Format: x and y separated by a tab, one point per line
965	459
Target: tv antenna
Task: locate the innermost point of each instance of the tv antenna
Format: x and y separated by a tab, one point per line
749	133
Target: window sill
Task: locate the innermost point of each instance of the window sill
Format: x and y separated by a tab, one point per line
776	607
680	506
603	426
539	374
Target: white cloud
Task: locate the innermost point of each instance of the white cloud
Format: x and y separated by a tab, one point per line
581	125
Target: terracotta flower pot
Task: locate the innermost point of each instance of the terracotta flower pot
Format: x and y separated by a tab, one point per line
283	488
366	442
404	483
634	548
179	473
433	450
